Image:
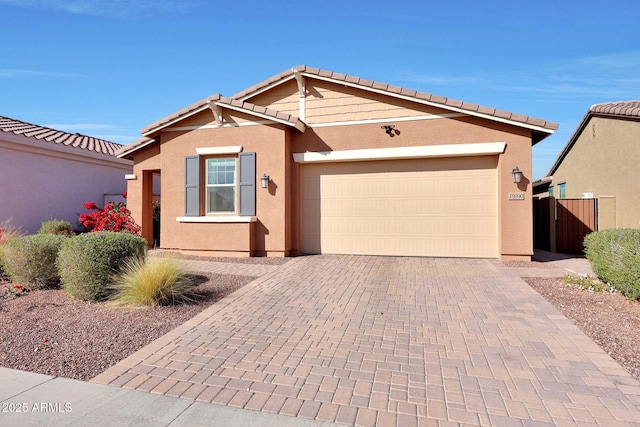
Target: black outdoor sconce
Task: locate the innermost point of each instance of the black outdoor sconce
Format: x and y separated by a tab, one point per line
390	130
517	175
264	181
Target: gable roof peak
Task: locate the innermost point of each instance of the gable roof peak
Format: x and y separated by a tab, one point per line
542	127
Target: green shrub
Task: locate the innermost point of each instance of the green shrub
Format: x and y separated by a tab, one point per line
7	232
87	262
161	281
615	257
31	260
56	226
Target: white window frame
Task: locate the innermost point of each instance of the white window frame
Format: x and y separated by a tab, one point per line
207	186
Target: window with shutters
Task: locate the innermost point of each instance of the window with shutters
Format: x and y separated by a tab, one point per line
229	185
220	185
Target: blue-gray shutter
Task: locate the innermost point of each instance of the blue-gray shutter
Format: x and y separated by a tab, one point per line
247	184
192	186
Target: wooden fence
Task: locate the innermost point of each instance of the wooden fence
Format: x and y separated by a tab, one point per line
560	225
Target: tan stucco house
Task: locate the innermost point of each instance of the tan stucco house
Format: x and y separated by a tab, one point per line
48	174
311	161
599	161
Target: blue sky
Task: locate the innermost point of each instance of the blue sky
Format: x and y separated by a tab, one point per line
107	68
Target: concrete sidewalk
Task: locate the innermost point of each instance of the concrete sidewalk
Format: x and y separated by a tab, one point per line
28	399
549	264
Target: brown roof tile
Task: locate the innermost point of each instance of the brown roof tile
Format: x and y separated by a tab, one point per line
46	134
619	108
184	112
445	102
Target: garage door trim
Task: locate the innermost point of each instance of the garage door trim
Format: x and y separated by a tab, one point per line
397	153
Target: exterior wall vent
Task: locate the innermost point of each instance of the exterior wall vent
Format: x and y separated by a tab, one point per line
587	195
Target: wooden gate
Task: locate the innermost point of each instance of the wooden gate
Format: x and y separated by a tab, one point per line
575	218
560	225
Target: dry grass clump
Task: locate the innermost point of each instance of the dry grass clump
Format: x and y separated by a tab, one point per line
160	281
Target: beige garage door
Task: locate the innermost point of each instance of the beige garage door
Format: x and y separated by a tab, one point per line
420	207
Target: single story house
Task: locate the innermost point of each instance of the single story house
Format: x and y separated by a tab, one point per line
598	162
311	161
48	174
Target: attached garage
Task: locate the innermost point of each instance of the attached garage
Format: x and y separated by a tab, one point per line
444	207
343	165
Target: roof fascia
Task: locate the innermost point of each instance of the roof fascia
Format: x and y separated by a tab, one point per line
124	153
51	149
431	104
270	86
195	111
570	143
298	125
590	114
534	128
211	105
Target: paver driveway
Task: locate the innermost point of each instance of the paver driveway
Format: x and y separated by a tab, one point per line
389	341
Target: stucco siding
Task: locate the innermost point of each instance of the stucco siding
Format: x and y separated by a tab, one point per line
270	232
602	162
338	118
515	238
38	184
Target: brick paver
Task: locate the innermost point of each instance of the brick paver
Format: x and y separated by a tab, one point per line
406	341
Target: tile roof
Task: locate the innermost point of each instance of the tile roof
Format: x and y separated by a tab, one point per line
45	134
541	128
222	101
439	101
618	109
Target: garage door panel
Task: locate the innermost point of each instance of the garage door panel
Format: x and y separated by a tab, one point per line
434	207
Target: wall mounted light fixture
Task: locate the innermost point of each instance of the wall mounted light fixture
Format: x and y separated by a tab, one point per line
264	181
517	175
390	130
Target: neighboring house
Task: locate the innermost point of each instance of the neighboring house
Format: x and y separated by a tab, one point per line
600	161
349	166
48	174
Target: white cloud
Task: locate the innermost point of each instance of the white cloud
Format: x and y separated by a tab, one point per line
413	77
21	72
115	8
619	61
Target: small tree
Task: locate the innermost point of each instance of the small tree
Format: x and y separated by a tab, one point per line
113	217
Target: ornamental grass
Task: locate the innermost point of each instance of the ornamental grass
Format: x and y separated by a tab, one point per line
159	281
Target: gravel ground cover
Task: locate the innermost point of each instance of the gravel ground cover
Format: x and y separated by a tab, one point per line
611	320
49	333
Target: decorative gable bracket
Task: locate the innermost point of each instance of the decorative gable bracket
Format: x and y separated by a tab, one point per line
217	112
303	93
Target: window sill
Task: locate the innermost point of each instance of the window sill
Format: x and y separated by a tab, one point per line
212	219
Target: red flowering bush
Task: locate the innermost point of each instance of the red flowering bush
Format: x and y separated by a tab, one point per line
113	217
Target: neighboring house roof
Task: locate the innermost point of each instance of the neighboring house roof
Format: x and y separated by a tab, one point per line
541	128
48	135
540	125
624	110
